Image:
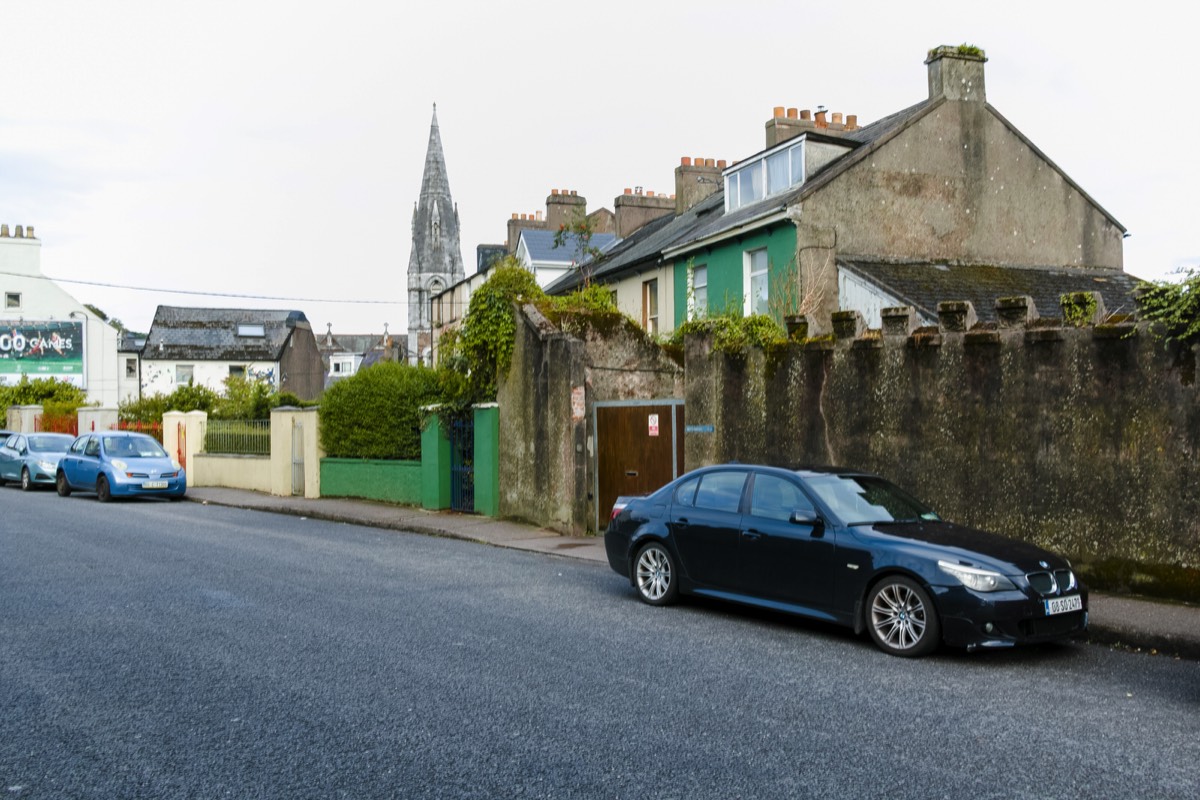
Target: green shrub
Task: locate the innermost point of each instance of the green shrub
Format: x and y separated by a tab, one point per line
54	396
152	407
376	412
732	332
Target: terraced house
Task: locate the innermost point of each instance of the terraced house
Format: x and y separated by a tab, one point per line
943	200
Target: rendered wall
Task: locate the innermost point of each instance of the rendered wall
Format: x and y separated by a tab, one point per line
390	481
1083	440
725	263
231	471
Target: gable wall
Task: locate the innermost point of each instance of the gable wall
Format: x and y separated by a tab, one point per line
960	185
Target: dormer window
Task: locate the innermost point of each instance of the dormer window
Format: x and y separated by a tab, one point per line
769	173
250	329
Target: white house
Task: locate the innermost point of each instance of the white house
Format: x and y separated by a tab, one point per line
47	333
205	346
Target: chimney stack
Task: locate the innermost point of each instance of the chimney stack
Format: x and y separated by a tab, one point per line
696	179
956	73
634	208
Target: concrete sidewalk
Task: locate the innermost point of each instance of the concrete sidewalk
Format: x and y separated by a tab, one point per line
1136	623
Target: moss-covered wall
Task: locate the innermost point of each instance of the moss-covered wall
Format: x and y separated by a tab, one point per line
1083	440
559	369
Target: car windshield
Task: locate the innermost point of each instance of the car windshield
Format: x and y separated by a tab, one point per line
49	444
133	447
864	499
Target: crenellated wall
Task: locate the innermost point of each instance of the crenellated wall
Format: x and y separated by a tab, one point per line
1082	439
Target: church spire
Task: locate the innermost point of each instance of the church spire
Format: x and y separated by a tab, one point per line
436	258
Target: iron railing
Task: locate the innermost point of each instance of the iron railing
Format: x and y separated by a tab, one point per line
245	437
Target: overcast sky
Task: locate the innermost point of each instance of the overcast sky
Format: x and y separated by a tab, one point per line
265	148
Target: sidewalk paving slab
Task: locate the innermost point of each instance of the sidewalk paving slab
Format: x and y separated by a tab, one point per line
1171	629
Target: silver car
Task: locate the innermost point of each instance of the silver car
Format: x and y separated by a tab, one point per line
32	458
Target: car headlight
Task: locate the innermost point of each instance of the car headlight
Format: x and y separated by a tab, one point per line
46	466
981	580
119	464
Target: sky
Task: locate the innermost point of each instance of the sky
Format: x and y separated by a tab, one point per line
268	153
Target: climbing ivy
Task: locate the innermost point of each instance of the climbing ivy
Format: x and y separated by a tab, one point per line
731	332
1174	305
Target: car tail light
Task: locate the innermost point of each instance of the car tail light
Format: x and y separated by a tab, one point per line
617	508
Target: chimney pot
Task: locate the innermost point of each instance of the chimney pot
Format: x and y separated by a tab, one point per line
20	234
806	115
4	231
628	190
791	113
821	122
778	112
851	122
539	216
722	164
837	118
553	192
708	162
649	194
29	233
686	161
573	193
515	215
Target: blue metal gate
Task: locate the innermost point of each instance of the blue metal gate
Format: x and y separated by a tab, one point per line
462	465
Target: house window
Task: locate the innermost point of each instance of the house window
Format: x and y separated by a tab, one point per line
650	306
613	296
247	329
184	374
12	299
699	291
765	175
755	280
237	371
131	368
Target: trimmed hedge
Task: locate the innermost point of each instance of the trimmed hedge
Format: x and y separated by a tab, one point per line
376	412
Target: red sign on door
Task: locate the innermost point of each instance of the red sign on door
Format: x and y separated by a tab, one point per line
654	424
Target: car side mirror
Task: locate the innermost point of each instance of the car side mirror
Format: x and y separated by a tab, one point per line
804	516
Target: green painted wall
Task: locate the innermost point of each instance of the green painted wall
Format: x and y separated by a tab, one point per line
435	465
725	264
487	460
391	481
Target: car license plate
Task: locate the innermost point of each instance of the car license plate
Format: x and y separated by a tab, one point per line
1063	605
163	485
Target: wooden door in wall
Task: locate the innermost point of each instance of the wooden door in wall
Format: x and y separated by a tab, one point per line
639	447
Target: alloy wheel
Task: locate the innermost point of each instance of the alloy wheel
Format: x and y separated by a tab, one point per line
902	619
26	480
655	575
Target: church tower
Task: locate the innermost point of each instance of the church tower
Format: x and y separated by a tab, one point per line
436	258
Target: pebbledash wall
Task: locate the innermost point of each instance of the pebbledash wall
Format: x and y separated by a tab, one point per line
1082	439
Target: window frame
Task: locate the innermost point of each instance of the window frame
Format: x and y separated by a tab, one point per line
191	373
650	306
749	273
12	301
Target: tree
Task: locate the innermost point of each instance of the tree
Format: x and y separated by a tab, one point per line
1175	305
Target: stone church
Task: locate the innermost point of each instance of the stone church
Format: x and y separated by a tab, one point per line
436	258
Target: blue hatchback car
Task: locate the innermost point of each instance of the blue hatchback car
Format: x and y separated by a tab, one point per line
119	464
32	458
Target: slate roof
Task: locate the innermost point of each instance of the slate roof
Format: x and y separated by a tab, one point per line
210	334
540	245
923	285
645	245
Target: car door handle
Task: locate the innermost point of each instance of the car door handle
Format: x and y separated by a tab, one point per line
751	534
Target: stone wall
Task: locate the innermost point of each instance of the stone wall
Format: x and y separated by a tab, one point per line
559	370
1081	439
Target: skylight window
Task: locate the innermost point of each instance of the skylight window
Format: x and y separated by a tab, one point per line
247	329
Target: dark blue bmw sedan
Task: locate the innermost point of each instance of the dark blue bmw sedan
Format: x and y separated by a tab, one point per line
845	547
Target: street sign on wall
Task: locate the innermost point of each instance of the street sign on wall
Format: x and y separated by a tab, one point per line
41	349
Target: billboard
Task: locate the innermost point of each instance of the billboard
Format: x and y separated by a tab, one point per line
45	349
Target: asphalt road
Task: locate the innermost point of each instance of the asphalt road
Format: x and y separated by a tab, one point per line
153	649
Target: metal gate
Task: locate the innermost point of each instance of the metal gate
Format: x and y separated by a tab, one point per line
297	458
462	465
